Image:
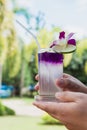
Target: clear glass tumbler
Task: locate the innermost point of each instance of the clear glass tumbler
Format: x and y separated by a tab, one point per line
50	67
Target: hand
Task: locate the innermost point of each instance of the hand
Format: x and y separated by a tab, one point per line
71	110
67	82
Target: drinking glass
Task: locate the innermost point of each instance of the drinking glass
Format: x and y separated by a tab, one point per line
50	67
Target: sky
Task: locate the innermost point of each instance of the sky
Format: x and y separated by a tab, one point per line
69	15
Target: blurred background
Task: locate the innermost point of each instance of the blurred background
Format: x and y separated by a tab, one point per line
18	52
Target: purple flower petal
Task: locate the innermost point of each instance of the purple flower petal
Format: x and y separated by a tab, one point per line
72	42
62	35
70	35
53	43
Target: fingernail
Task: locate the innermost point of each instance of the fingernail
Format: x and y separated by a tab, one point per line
35	87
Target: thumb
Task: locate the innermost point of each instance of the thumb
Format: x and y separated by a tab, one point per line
67	96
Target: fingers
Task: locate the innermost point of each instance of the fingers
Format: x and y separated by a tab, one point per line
68	82
64	109
56	107
37	86
59	110
68	96
50	107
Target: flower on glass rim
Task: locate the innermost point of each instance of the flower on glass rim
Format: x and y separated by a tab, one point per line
64	42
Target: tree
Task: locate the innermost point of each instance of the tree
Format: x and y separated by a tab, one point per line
39	23
9	49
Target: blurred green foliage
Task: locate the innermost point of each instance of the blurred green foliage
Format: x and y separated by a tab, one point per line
4	110
77	64
47	119
19	60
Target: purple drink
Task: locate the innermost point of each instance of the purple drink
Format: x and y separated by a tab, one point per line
51	63
50	68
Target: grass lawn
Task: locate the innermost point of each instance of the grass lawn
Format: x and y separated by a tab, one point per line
26	123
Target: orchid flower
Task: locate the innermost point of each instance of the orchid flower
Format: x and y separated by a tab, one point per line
64	40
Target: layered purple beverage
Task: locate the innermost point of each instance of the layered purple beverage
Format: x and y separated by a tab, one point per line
50	68
51	65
